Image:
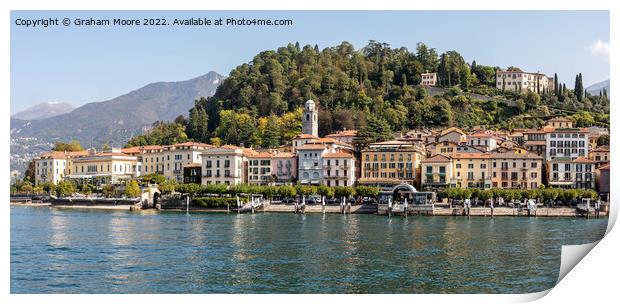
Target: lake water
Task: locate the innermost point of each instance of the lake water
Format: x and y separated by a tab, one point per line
95	251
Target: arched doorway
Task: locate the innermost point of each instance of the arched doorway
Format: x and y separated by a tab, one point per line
403	191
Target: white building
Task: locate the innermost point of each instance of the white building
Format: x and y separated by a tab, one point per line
518	81
576	173
52	166
428	79
338	169
225	165
310	163
566	142
482	141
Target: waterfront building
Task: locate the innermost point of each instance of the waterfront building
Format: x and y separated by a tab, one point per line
566	172
152	159
310	119
111	167
339	169
260	169
310	163
176	156
428	79
566	142
284	168
600	155
346	136
516	169
437	173
390	163
472	170
225	165
192	174
602	182
53	166
518	81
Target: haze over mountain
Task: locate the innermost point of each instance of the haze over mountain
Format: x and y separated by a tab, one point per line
597	87
44	110
113	121
116	120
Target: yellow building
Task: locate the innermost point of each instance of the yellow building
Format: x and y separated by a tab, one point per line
438	173
516	169
103	168
390	163
152	158
175	157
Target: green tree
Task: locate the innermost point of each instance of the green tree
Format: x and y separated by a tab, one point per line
367	191
72	146
108	190
166	187
603	140
376	130
65	188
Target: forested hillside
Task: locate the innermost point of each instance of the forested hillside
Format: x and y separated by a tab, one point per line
258	104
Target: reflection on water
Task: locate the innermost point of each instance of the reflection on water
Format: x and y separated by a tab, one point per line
85	251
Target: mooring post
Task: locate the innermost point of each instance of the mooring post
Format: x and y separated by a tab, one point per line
323	203
491	207
405	207
389	211
238	204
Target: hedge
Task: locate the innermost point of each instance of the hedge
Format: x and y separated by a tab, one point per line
212	202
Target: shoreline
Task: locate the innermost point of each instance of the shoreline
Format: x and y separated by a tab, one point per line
358	209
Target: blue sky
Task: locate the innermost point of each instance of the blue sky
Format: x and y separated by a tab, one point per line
88	64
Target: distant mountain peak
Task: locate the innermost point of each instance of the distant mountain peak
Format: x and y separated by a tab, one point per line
599	86
44	110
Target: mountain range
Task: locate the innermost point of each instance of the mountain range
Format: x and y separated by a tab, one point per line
44	110
597	87
114	121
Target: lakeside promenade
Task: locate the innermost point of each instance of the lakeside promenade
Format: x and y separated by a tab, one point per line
354	209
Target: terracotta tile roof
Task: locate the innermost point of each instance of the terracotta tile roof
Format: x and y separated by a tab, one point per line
284	155
450	130
131	150
152	147
311	146
260	155
437	158
583	160
305	136
338	155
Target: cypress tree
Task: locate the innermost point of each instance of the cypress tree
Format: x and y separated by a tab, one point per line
555	84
